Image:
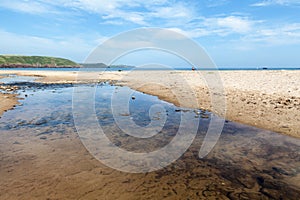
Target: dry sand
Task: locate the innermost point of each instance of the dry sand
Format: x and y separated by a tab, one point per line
265	99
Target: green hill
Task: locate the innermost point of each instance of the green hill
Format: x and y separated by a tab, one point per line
35	61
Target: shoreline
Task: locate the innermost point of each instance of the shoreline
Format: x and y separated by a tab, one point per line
264	99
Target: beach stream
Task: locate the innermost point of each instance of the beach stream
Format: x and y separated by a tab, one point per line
42	156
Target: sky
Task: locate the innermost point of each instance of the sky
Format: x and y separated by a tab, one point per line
240	33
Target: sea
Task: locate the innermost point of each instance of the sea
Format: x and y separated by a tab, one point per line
142	68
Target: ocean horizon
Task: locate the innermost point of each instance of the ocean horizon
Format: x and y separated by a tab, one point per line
146	69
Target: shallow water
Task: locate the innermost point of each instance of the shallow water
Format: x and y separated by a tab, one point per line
9	79
246	163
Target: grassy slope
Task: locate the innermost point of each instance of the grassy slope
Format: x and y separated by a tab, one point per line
36	60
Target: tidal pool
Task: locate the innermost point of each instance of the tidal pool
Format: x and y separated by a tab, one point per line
41	155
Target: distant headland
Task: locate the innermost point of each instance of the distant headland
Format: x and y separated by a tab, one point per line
20	61
17	61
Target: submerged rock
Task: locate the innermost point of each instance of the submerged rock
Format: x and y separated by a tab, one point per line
40	121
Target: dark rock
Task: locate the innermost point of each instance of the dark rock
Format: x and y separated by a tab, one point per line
260	180
16	142
43	138
204	116
118	143
280	171
22	122
41	121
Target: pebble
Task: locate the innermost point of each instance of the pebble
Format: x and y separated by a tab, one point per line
43	138
204	116
279	106
16	142
197	112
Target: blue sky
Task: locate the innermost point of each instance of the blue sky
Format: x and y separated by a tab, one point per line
233	32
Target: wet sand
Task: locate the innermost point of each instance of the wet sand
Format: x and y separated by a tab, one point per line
7	102
59	167
264	99
48	161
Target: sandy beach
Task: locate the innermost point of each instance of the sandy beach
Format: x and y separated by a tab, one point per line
264	99
42	156
150	100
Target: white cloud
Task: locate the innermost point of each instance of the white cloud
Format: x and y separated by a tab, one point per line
73	47
175	15
251	33
133	11
218	26
276	2
32	7
285	35
172	11
162	13
136	11
118	18
267	37
235	24
193	33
